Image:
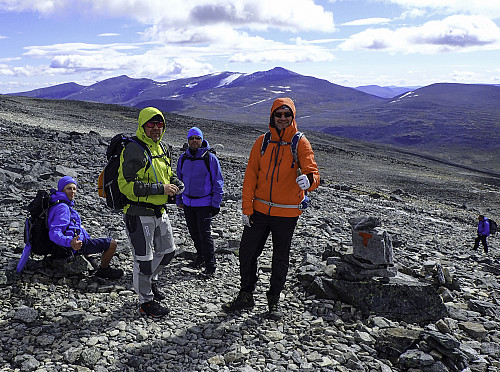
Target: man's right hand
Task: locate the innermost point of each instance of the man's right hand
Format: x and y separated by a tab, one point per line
246	220
76	244
170	189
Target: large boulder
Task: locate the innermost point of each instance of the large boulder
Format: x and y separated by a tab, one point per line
398	298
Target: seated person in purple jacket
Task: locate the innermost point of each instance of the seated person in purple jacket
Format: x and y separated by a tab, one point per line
66	230
199	170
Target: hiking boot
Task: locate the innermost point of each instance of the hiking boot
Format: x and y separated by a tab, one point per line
109	273
153	308
244	300
159	295
274	307
199	262
95	262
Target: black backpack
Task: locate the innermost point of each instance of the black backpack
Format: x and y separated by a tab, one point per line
36	231
493	226
107	185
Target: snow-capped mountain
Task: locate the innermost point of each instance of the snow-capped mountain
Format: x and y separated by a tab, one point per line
458	116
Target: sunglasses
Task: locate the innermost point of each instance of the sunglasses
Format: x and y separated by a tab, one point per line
279	114
151	124
194	138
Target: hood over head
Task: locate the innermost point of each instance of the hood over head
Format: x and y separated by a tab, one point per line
285	101
146	115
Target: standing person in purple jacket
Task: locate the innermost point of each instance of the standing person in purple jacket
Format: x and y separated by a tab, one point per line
483	231
199	170
66	230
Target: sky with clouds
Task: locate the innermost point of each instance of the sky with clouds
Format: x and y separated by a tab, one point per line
347	42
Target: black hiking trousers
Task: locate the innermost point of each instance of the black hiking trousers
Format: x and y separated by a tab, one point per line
482	239
199	223
252	244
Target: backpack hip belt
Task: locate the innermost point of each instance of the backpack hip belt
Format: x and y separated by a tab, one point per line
271	204
197	197
156	208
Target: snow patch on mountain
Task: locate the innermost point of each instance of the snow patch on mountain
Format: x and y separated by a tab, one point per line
410	94
256	103
192	85
228	80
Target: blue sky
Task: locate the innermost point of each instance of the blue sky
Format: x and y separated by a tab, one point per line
347	42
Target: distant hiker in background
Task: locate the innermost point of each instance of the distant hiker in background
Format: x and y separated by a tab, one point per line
483	231
66	230
272	200
199	169
147	182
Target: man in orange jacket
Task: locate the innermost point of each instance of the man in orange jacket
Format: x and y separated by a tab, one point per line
273	193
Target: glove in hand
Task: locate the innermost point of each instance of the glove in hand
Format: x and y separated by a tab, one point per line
303	182
246	220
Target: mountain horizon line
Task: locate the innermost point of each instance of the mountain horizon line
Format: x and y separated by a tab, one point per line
457	122
382	91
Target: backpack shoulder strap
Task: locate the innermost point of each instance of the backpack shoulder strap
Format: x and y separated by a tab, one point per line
142	145
182	159
265	142
293	147
206	159
167	153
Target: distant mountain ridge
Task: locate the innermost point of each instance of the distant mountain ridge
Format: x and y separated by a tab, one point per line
464	119
386	91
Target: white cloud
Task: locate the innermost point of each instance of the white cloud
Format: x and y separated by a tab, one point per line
465	76
48	51
23	71
289	15
109	34
283	56
367	22
9	59
488	8
454	33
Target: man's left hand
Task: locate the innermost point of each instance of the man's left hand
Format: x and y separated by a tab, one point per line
303	182
170	189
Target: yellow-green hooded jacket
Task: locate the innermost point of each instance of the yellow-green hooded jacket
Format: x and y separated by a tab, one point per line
140	182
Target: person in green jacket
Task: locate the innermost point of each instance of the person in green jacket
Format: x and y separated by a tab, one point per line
147	183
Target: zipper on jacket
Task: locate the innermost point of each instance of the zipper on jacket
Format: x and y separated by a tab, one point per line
275	151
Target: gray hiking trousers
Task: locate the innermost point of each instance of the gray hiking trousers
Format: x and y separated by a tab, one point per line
152	249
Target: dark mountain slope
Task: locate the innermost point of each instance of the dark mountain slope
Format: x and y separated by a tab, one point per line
59	91
115	90
456	123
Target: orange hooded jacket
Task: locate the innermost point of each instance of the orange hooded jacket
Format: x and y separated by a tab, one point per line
270	177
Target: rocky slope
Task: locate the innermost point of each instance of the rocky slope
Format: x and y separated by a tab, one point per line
60	318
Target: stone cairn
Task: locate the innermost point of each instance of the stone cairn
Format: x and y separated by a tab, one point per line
372	254
368	279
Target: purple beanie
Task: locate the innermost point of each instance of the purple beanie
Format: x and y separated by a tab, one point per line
195	131
64	181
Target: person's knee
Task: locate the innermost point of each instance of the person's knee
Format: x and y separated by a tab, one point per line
167	258
112	246
145	267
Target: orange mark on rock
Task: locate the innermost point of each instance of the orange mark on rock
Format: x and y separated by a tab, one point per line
365	237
